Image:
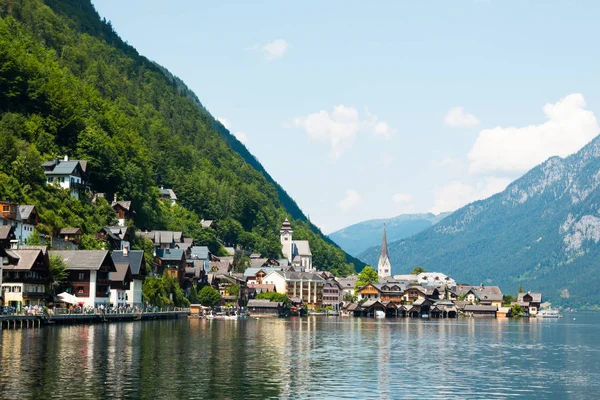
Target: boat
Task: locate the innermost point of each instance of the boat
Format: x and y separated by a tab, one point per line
379	314
549	313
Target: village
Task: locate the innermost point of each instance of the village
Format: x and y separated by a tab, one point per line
112	279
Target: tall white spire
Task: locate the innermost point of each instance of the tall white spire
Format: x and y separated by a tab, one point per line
384	267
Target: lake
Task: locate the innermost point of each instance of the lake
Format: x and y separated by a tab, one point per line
314	357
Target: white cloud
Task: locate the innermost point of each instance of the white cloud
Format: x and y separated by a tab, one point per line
224	122
351	201
446	162
456	194
402	198
568	128
458	117
339	128
275	49
242	137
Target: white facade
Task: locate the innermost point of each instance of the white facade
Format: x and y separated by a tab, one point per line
273	278
384	267
436	279
287	245
134	294
118	297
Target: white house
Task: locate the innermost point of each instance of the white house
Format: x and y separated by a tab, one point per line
137	265
89	275
436	279
23	217
120	283
297	252
305	286
66	174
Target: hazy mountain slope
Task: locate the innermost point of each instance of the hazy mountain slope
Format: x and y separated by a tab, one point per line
356	238
542	232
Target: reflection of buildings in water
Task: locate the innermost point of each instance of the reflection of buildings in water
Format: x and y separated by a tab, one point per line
12	354
383	360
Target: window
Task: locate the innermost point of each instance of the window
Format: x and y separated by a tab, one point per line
81	276
79	289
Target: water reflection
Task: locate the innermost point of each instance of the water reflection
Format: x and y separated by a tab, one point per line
314	357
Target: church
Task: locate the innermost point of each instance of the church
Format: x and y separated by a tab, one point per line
297	252
384	267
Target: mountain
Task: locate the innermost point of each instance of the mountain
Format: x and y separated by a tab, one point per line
357	238
542	232
69	85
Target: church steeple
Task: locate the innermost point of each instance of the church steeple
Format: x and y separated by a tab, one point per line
384	267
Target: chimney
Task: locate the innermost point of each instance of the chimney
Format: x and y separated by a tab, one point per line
125	251
56	161
115	198
66	157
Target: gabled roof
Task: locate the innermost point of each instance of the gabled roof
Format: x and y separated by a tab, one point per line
65	168
85	259
124	204
263	304
26	258
5	232
206	223
168	193
371	303
70	231
123	273
471	307
536	297
252	271
353	307
302	247
219	267
24	212
489	293
200	252
135	259
170	254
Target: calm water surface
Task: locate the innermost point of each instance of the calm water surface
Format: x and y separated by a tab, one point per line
315	357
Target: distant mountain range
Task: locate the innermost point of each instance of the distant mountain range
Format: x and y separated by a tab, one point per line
359	237
542	232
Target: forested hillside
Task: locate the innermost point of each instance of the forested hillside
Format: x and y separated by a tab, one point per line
542	232
70	86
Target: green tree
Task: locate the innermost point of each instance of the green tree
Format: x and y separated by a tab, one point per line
274	296
367	275
507	299
58	271
517	311
164	291
193	297
209	296
418	270
234	290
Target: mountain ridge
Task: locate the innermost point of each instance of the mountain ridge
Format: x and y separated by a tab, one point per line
542	232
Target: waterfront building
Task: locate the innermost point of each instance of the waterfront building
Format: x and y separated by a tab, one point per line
476	310
485	296
25	276
264	307
530	302
384	267
137	265
67	174
120	283
305	286
414	293
88	275
297	252
333	295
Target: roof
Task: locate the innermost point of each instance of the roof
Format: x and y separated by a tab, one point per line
24	212
263	304
206	223
536	297
170	254
125	204
221	267
64	168
370	303
471	307
252	271
406	277
162	237
5	231
168	193
26	258
353	307
85	259
121	274
302	247
299	276
70	231
135	258
349	282
258	262
490	293
200	252
286	226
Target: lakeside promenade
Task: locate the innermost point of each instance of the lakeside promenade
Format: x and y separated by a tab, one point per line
14	321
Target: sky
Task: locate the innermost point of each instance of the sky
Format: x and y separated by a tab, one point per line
365	110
